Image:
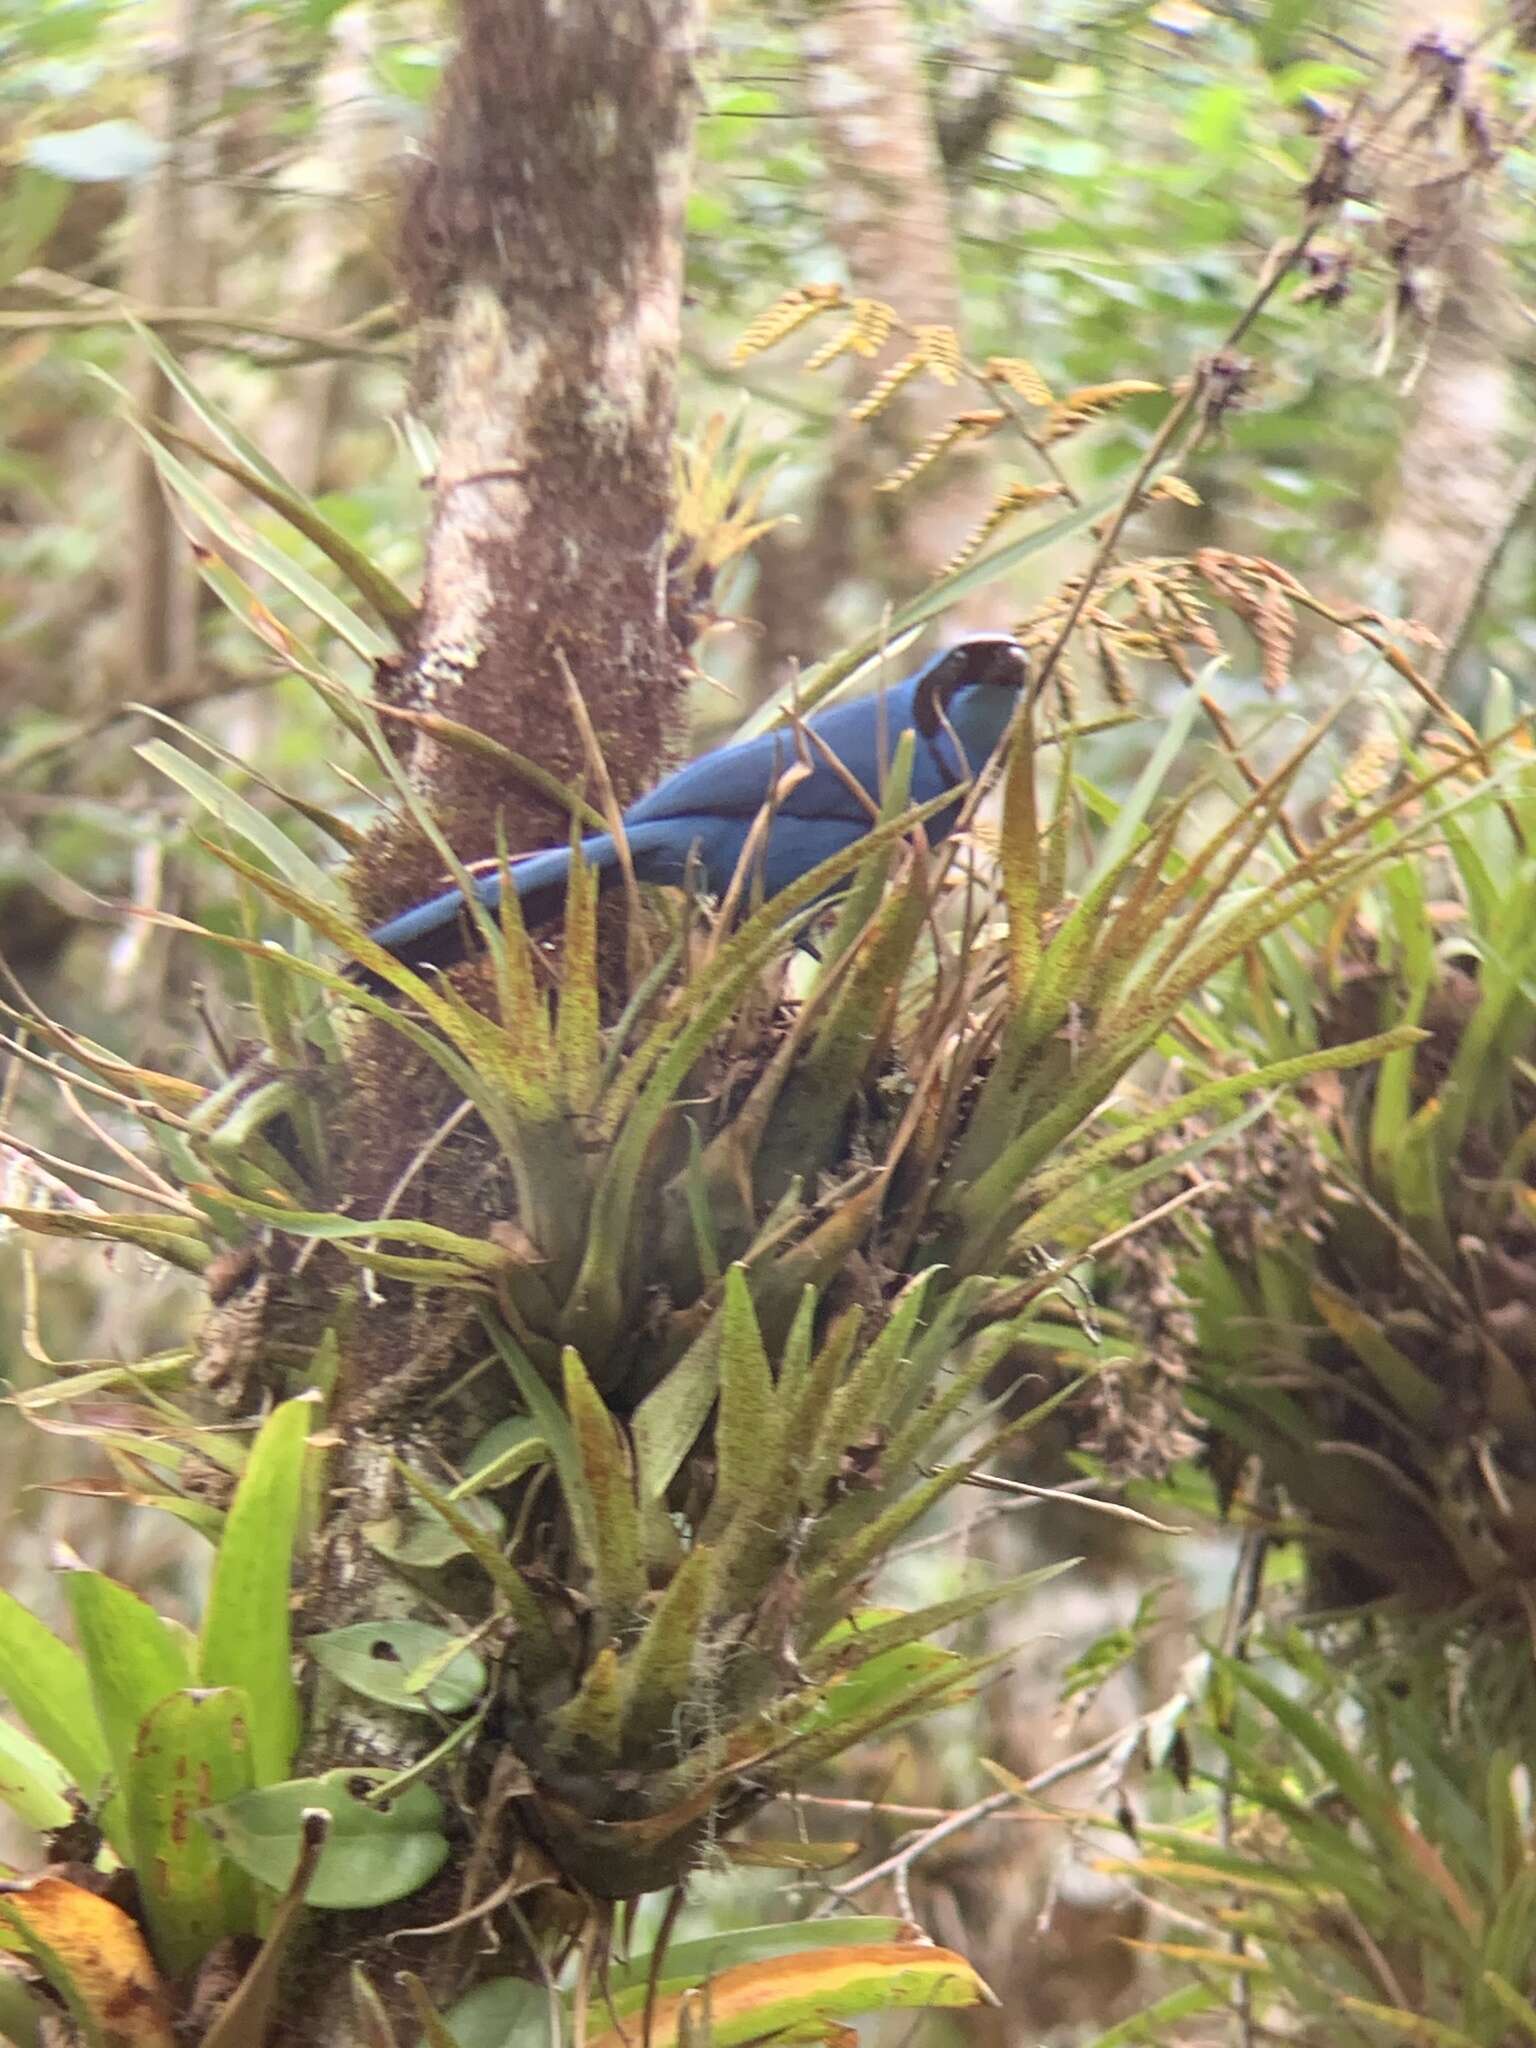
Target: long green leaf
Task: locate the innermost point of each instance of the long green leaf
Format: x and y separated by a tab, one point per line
48	1685
601	1497
369	645
232	810
853	1645
247	1637
667	1422
193	1751
133	1661
370	582
748	1428
33	1781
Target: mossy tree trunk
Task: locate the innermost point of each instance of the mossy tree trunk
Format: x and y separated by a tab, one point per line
542	250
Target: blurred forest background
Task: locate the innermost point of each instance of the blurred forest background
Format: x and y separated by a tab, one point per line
1091	191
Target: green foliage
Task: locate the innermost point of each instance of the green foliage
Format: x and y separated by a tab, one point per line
246	1633
1377	1864
791	1981
149	1733
405	1664
777	1226
689	1191
193	1752
378	1848
1375	1340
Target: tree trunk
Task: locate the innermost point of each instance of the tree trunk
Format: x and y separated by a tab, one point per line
543	248
169	267
543	254
1460	484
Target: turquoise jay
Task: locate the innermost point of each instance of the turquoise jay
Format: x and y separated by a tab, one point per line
958	705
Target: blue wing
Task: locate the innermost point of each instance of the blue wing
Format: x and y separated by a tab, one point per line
737	781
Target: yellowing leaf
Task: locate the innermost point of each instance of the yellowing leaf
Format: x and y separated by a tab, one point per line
95	1958
802	1997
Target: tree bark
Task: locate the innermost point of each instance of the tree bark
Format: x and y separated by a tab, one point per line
542	250
169	267
542	246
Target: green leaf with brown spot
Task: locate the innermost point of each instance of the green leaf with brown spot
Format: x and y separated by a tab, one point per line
193	1751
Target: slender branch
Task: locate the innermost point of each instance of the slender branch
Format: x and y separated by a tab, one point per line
902	1859
1279	267
97	307
32	754
893	1810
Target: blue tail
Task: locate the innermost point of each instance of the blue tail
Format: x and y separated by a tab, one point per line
440	932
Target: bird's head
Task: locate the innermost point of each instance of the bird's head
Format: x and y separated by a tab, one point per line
991	661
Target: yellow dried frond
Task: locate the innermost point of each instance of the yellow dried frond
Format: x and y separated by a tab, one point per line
941	352
1020	375
865	335
1194	621
1274	628
1090	402
935	349
1064	682
1017	498
786	316
1061	422
965	426
1174	487
874	320
1368	771
1095	397
1151	599
880	394
1255	590
1113	671
1145	646
714	511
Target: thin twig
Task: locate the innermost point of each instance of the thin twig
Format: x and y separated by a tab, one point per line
953	1824
888	1809
98	1130
994	1483
979	1521
191	322
115	1182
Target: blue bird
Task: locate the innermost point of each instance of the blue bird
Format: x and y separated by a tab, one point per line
958	705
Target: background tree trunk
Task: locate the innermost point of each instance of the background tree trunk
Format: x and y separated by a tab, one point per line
1460	482
888	217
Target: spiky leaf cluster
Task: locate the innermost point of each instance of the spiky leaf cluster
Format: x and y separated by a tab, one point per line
703	1271
1366	1314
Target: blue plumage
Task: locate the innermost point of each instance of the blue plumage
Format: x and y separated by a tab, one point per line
958	704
